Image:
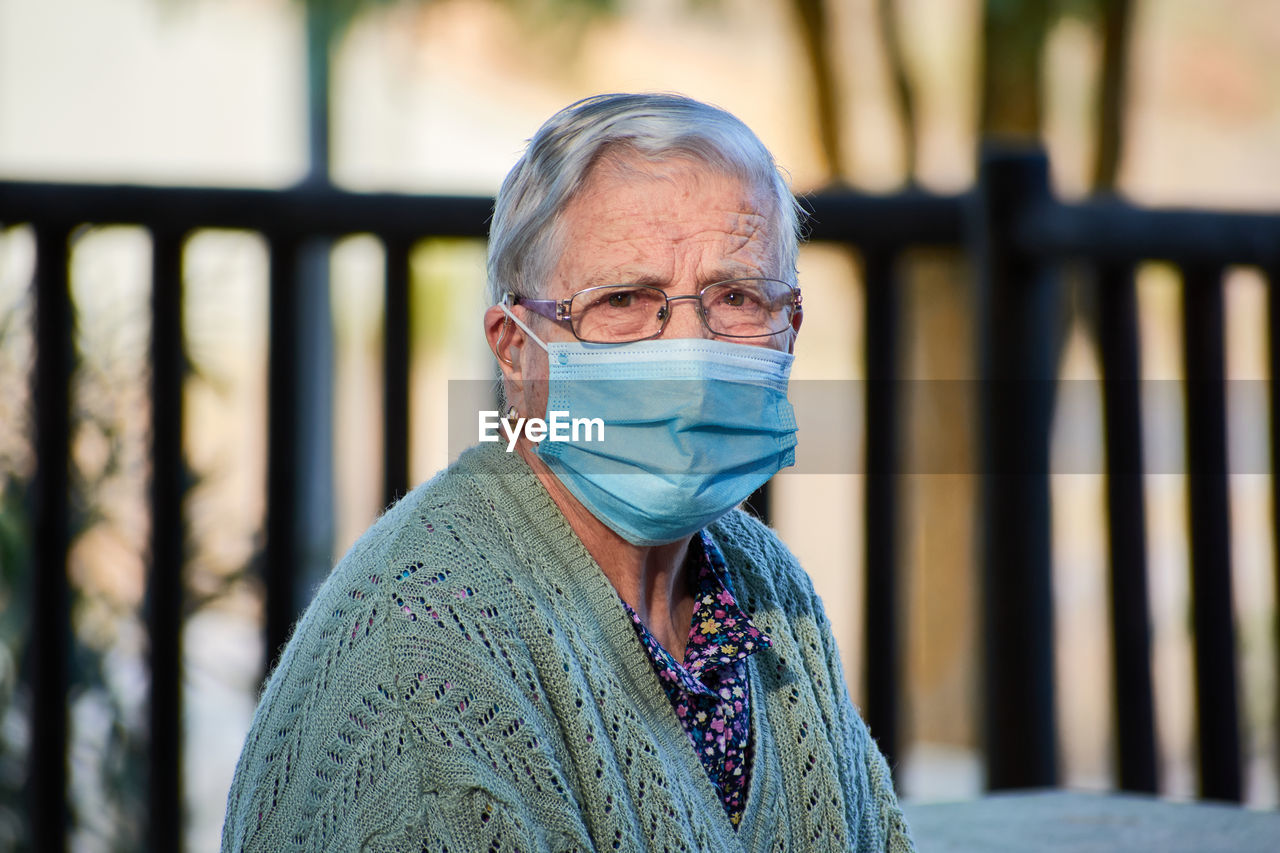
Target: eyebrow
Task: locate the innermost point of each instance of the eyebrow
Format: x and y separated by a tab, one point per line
616	278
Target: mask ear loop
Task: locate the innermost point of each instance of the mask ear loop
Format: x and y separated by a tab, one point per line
513	318
506	324
512	414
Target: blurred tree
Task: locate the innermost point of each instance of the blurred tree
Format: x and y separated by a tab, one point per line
1012	75
900	80
327	21
1013	39
815	27
1113	90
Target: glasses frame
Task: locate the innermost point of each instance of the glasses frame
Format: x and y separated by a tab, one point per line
558	310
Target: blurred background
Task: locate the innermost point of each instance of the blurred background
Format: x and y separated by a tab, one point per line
1175	102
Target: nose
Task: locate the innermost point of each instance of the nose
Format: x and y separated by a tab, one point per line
685	324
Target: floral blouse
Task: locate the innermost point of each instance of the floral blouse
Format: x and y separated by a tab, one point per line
709	690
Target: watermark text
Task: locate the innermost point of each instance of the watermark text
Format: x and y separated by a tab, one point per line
558	427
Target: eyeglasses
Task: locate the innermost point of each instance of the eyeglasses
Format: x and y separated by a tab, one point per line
623	313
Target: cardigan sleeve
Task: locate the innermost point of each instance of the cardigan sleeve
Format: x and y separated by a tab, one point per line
397	720
448	762
881	818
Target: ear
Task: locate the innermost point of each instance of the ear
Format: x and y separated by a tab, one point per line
506	340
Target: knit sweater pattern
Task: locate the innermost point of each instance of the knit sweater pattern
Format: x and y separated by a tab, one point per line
468	679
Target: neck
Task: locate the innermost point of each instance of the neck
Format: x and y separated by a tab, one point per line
653	579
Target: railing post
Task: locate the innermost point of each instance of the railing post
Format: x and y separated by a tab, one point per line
281	553
883	634
395	370
1018	305
1210	525
313	438
165	576
50	816
1273	399
299	432
1127	527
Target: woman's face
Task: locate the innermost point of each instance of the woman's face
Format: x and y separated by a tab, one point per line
677	225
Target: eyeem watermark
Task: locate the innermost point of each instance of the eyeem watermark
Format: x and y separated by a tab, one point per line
559	427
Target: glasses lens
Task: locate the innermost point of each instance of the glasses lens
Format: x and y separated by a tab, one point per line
617	313
748	307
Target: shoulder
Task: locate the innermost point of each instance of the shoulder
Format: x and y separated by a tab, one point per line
442	552
413	630
448	526
428	555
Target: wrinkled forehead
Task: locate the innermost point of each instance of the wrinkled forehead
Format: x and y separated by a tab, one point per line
620	173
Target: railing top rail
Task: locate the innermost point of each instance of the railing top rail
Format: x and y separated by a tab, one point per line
1103	229
296	211
1110	229
906	218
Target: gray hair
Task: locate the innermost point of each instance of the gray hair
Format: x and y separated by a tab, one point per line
560	156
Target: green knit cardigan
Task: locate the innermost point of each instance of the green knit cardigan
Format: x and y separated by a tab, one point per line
467	679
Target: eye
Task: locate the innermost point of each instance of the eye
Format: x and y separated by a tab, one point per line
621	299
739	297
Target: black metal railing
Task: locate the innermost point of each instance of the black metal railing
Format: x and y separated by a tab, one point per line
1026	235
881	229
1010	224
286	219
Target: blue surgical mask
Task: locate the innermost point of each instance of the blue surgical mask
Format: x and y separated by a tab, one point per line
691	428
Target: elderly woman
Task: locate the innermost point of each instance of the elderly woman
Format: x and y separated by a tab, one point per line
577	642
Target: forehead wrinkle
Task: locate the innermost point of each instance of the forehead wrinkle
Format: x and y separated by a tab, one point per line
740	249
750	236
634	237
